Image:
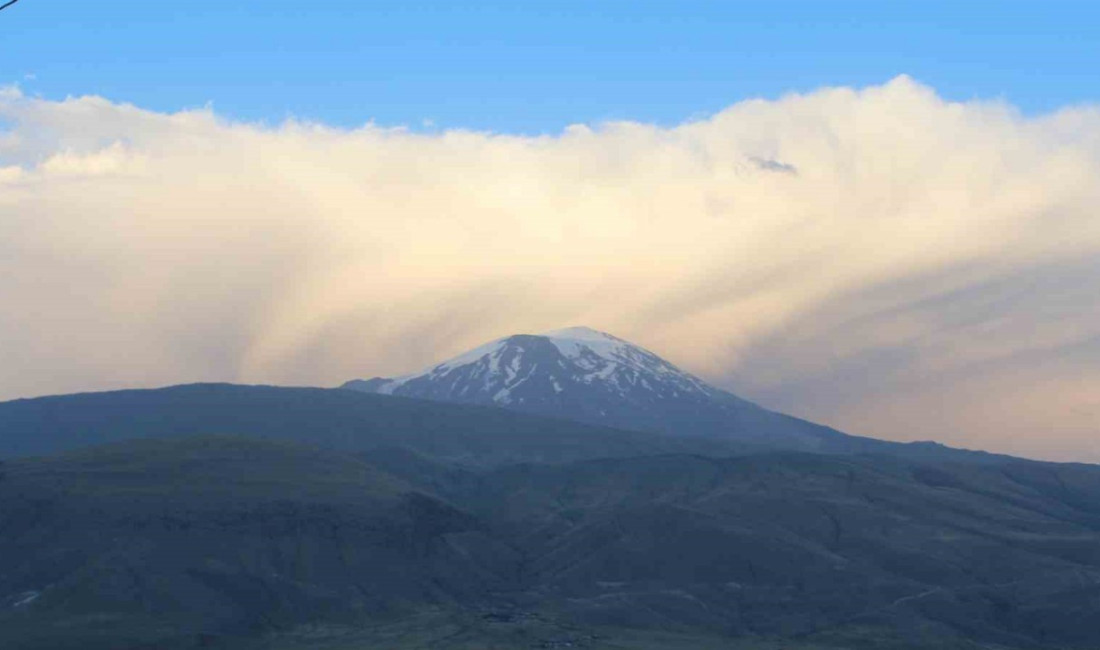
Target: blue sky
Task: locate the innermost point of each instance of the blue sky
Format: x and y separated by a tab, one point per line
537	66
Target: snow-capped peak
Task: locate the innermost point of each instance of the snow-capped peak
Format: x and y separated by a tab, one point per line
572	357
607	354
583	374
578	342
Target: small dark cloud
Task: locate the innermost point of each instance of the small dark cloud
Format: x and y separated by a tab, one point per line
772	165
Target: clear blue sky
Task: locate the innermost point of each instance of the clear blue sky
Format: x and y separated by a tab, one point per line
536	66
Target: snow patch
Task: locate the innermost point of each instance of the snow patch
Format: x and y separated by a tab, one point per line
612	350
587	356
491	349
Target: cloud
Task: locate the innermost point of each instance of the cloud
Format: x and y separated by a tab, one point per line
880	259
774	165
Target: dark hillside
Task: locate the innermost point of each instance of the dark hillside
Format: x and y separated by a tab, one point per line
409	524
332	418
167	543
806	546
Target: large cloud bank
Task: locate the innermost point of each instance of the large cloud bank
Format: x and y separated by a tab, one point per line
878	259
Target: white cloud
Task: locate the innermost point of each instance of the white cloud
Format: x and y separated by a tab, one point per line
879	258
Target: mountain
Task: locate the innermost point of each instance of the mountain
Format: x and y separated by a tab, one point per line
863	551
244	543
332	418
596	378
248	517
208	541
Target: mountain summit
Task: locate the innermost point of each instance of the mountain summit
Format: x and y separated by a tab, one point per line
582	374
553	369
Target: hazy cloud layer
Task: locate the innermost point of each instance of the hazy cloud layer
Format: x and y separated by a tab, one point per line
878	259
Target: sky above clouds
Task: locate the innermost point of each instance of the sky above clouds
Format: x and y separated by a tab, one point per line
908	256
536	66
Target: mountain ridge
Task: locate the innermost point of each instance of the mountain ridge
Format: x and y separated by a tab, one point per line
237	542
593	377
332	418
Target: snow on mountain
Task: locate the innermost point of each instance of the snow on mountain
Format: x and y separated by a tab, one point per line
583	356
582	374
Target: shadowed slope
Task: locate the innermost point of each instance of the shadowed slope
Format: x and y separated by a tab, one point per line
173	541
227	541
807	546
332	418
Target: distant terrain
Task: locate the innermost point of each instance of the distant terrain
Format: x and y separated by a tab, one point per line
336	419
593	377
